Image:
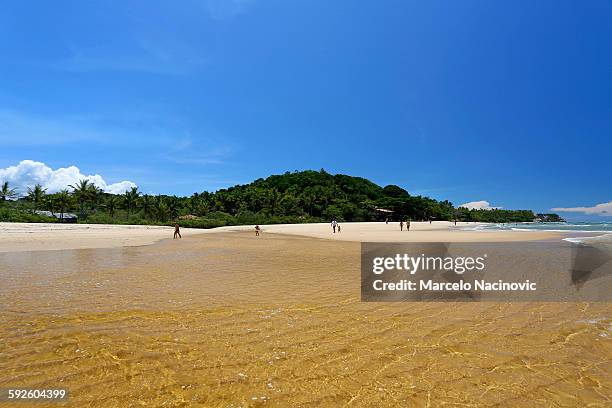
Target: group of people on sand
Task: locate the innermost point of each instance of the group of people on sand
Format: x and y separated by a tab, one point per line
334	224
407	225
177	231
402	223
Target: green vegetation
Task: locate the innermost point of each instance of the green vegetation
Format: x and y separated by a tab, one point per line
12	214
6	192
495	215
549	218
298	197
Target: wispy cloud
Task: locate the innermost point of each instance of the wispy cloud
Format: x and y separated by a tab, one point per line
479	205
185	151
142	56
18	129
598	209
127	133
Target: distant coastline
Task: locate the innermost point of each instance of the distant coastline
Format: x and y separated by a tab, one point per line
291	198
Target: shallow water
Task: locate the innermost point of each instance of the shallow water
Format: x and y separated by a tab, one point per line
229	320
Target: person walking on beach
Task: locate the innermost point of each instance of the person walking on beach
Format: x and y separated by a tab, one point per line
338	228
408	225
177	231
334	224
401	225
257	230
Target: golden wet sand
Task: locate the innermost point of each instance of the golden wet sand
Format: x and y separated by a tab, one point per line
229	320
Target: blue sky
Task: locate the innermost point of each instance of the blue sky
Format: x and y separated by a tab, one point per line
508	102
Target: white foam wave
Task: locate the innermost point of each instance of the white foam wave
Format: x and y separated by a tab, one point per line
559	230
607	238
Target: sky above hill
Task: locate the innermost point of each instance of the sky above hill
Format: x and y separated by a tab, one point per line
502	104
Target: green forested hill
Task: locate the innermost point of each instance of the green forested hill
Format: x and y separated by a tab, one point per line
306	196
320	195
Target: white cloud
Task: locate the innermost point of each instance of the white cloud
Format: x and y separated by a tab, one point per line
28	173
479	205
599	209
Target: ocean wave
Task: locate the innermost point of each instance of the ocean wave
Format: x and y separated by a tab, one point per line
559	230
606	238
596	227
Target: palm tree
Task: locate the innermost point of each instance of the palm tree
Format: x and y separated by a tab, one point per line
37	195
129	199
111	204
6	192
161	211
63	202
95	195
82	192
173	207
147	205
50	203
194	203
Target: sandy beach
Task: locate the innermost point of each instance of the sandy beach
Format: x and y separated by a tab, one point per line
44	237
226	320
437	231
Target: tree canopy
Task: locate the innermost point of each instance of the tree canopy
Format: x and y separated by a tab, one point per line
292	197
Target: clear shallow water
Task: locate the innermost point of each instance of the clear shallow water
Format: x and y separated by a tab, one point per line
229	320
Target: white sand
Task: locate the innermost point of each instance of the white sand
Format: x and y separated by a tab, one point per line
41	236
437	231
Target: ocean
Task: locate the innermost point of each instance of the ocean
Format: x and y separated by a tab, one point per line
577	232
